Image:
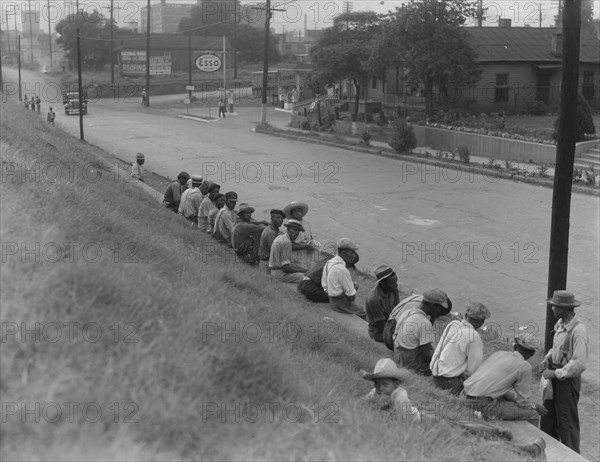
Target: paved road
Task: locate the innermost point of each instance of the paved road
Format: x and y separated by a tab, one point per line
477	238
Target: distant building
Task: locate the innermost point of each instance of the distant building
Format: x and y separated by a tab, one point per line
164	17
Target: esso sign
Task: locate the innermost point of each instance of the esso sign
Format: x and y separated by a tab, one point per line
208	63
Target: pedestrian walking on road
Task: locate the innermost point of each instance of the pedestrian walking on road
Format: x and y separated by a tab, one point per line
221	108
26	102
563	366
38	104
144	96
51	116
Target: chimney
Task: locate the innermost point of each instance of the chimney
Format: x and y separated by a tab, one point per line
502	22
557	44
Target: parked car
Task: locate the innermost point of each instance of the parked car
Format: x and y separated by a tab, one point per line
72	106
69	95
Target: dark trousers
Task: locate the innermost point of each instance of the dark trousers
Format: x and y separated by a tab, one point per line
314	292
221	111
452	384
562	420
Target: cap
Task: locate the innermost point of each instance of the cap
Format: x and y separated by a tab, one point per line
185	175
527	341
294	224
196	180
231	195
436	296
245	208
277	211
476	310
345	243
139	155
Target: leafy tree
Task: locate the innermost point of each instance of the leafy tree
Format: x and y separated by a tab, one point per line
343	50
95	37
428	39
585	120
246	39
587	16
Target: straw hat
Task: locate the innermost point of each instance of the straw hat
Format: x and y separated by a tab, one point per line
386	369
295	205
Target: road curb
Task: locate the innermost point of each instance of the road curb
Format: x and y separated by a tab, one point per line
491	174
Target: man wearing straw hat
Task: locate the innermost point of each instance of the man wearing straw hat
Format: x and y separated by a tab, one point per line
563	366
381	300
280	260
136	168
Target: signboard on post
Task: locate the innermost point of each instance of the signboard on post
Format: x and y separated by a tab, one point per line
208	63
134	63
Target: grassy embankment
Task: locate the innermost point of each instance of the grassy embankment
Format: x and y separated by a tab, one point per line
157	302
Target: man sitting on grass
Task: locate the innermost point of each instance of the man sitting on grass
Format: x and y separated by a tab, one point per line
460	350
501	387
172	197
246	233
280	261
207	204
226	219
381	300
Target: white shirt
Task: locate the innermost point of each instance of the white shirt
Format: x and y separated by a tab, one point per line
400	404
459	351
336	279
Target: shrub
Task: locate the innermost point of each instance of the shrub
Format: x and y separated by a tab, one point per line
463	153
305	125
366	137
585	121
403	139
536	108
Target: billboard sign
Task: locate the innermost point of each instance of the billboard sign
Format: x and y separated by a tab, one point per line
134	63
208	63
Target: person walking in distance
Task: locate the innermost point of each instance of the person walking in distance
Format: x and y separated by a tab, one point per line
221	108
143	96
563	365
51	116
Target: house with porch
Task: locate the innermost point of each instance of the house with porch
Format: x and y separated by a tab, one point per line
520	65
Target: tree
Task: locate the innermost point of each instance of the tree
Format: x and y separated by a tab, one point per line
585	120
95	37
343	51
587	16
247	40
428	39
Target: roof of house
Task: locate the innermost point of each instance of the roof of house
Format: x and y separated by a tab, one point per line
531	44
173	42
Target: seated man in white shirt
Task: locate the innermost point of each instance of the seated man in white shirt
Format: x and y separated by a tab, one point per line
337	282
460	350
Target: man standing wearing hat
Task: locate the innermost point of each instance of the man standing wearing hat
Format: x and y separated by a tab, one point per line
245	235
501	387
212	189
136	168
563	365
280	261
269	234
226	219
381	300
460	350
414	332
174	191
191	200
337	282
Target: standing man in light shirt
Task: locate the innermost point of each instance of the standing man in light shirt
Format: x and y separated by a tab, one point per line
338	283
460	350
501	387
564	364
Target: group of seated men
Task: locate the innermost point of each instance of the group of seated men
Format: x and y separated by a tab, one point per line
498	387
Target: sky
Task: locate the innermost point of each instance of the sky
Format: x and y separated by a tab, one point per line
319	13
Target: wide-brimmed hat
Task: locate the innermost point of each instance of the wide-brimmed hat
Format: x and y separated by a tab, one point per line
386	369
245	208
294	224
345	243
278	212
139	155
196	180
185	175
527	341
563	299
476	310
382	272
295	205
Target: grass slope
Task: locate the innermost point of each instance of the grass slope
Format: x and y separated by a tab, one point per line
170	341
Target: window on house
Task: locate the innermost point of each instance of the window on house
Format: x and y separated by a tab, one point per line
374	83
501	94
587	89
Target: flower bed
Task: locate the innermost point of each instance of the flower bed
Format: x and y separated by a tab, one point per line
494	132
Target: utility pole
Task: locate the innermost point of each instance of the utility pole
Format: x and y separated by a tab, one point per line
19	63
8	34
49	35
190	63
1	82
112	51
565	157
540	7
265	82
79	87
147	100
30	32
480	14
235	20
